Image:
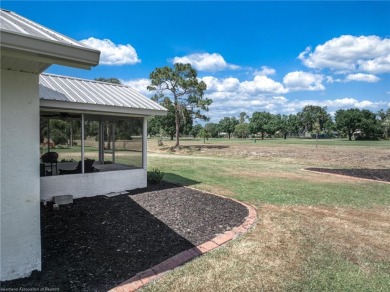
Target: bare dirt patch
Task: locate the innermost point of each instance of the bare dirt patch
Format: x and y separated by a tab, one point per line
323	156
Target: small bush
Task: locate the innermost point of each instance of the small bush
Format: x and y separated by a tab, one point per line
155	176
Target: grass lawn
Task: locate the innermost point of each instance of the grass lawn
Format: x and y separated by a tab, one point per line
316	232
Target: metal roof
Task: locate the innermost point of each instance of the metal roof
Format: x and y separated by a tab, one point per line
55	90
13	22
30	47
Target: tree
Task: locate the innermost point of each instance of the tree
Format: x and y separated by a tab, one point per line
109	80
212	129
167	123
183	87
348	121
205	134
293	124
228	125
273	125
242	130
370	126
351	120
259	123
317	131
196	130
287	124
385	122
312	114
243	117
282	122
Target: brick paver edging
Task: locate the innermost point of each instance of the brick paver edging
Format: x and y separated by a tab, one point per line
347	176
145	277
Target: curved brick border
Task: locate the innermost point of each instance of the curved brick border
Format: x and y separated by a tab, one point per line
347	176
145	277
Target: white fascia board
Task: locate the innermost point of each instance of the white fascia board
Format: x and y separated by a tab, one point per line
47	51
98	109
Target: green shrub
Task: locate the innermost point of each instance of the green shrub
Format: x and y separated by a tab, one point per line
155	176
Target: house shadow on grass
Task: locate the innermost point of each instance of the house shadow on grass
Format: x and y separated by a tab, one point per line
181	180
97	243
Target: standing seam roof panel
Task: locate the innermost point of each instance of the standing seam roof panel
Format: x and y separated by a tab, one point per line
106	93
79	90
148	102
129	101
59	82
19	24
93	92
96	93
145	103
55	89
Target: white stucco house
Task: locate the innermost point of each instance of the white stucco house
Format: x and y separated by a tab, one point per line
31	104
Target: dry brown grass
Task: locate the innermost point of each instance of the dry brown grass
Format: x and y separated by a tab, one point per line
272	256
324	155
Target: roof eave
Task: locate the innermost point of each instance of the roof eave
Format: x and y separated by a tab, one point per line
45	51
97	108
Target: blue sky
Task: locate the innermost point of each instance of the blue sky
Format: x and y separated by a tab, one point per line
254	56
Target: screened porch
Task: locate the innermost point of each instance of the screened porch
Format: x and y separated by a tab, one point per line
110	143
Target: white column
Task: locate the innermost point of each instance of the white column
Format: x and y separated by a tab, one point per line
145	143
101	142
82	143
113	142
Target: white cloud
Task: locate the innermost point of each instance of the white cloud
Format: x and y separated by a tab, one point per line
376	66
112	54
224	85
140	85
265	71
206	62
370	78
335	104
347	53
299	80
262	84
260	94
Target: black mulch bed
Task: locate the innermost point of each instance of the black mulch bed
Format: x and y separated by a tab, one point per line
96	243
375	174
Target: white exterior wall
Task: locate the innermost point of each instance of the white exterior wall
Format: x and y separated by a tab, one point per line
19	177
92	184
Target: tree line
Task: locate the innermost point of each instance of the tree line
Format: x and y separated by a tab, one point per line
179	90
312	121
